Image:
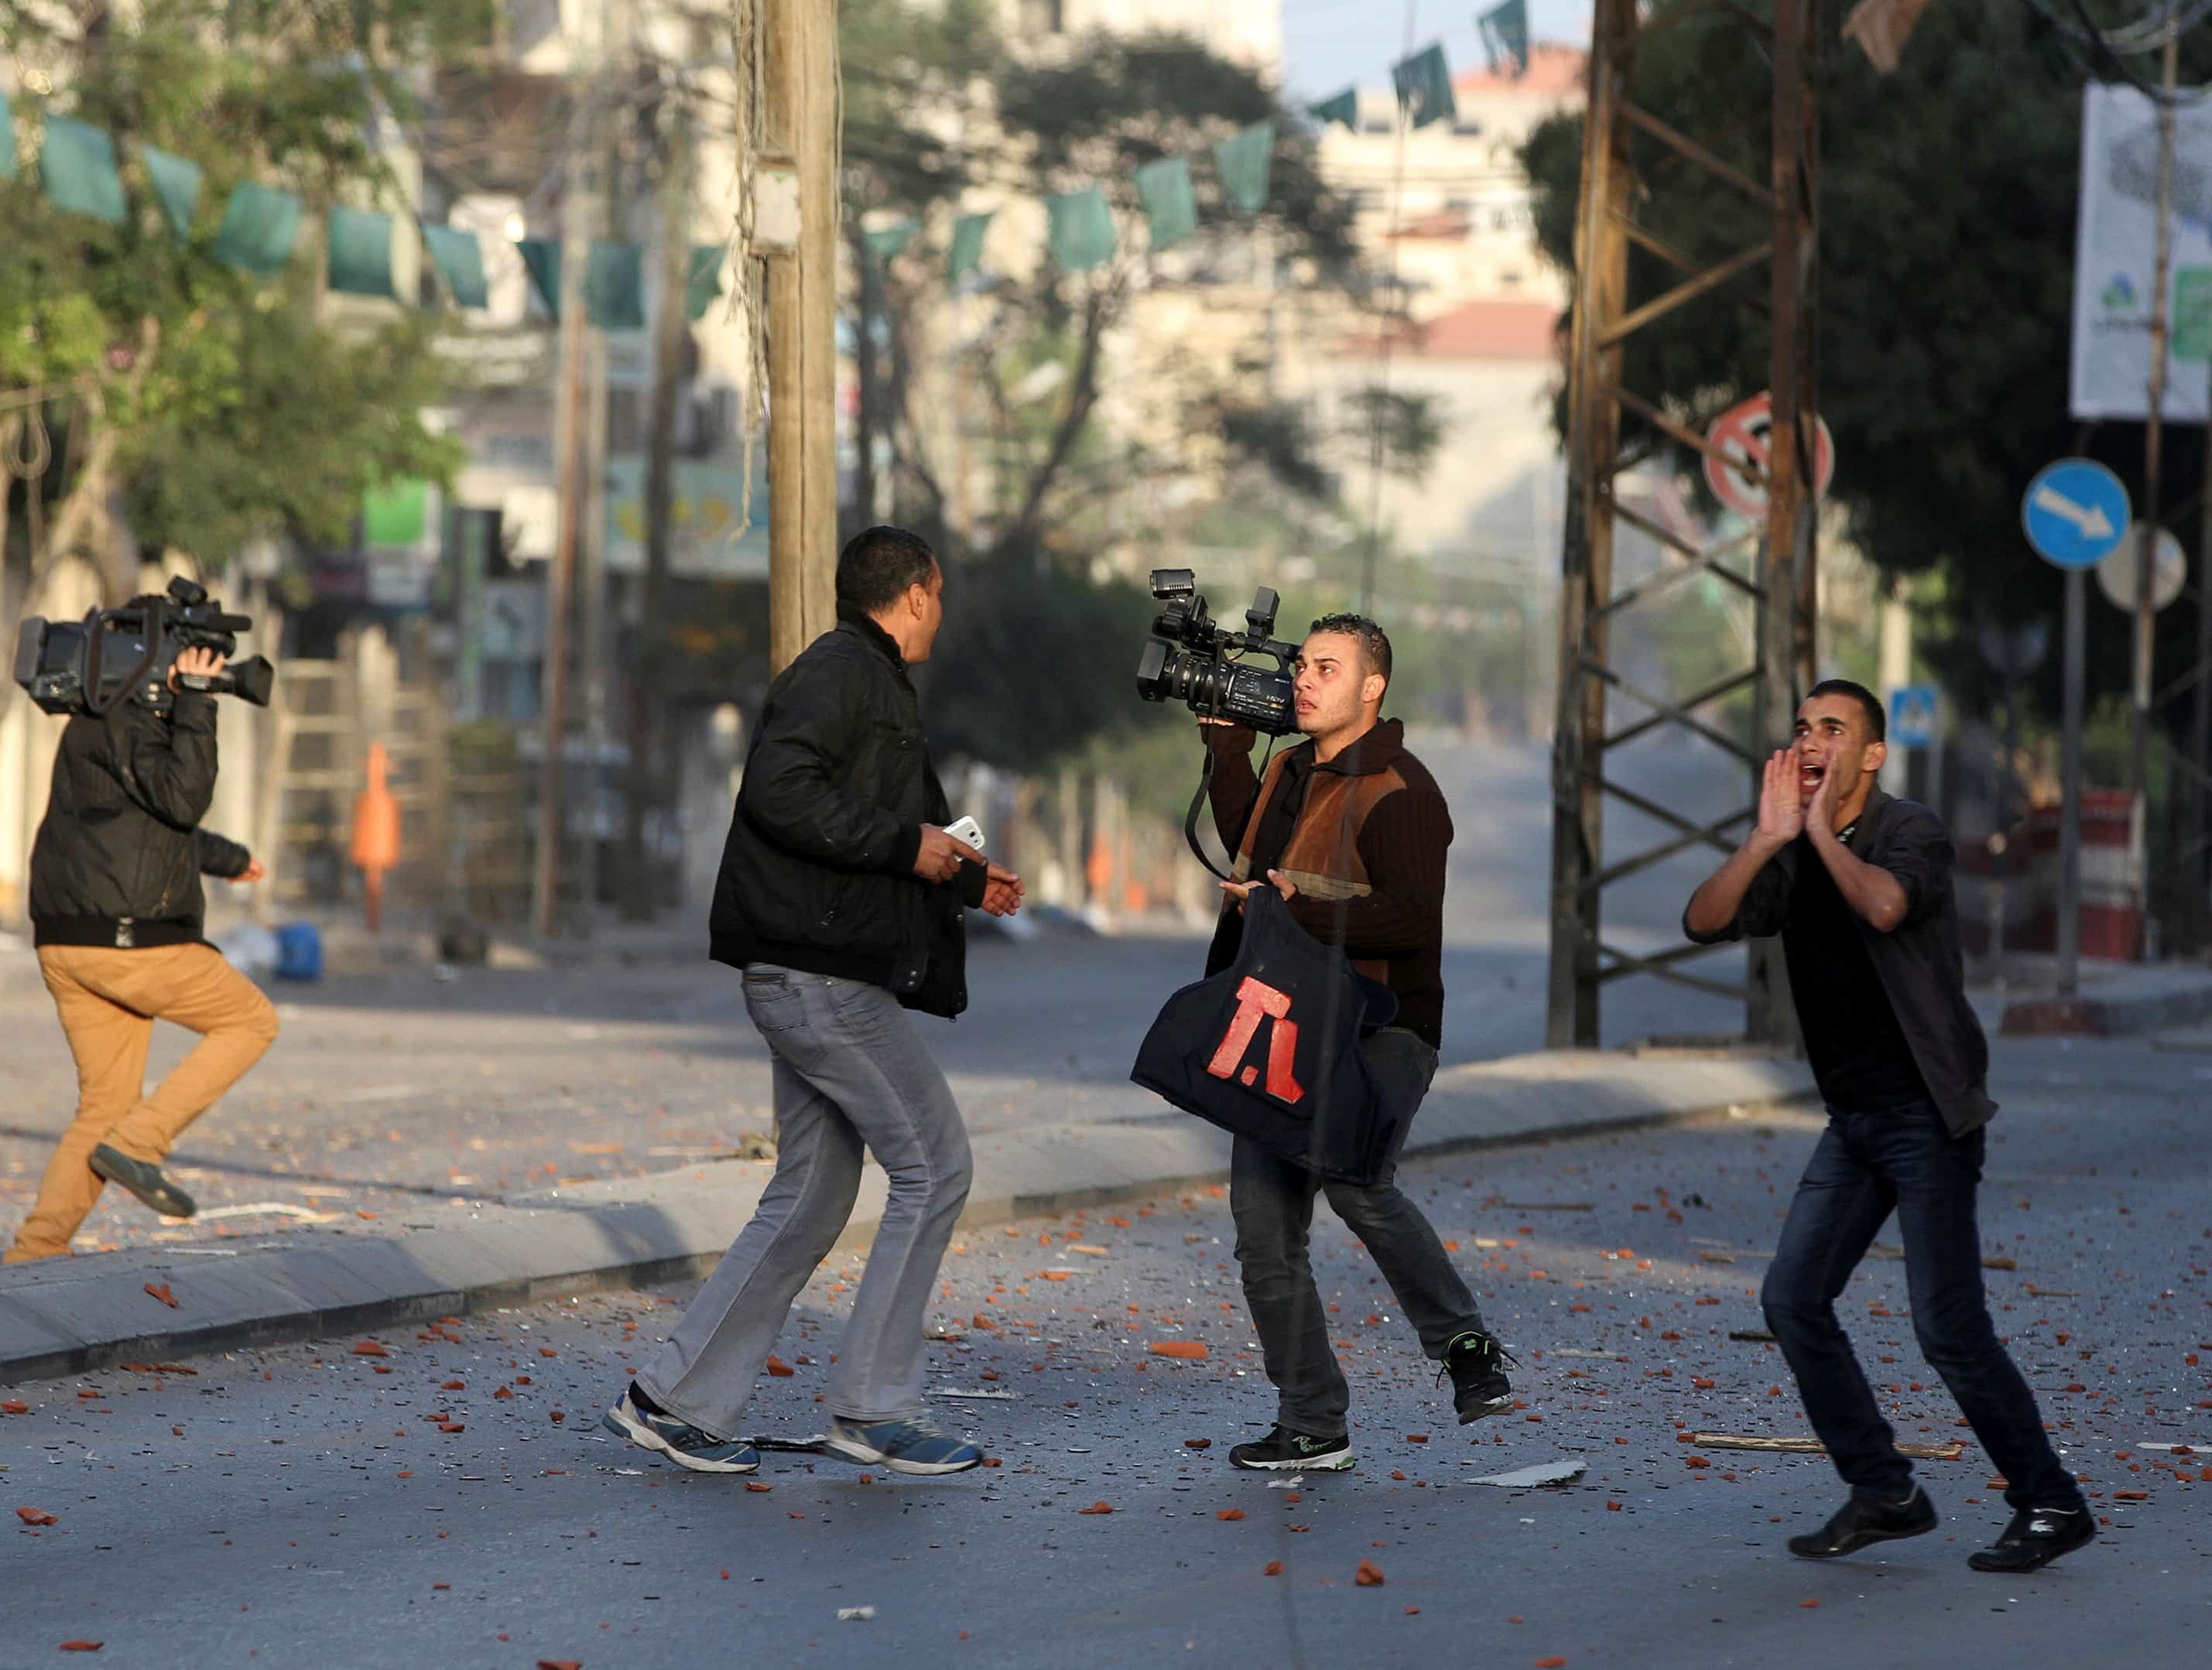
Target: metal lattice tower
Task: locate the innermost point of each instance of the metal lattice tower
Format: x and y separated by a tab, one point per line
1618	136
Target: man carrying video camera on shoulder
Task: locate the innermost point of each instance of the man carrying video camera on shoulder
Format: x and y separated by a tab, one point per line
1351	830
116	915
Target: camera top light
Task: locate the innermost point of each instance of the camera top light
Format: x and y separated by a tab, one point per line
1174	582
1260	616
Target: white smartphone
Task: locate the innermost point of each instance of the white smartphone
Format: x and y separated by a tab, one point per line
967	829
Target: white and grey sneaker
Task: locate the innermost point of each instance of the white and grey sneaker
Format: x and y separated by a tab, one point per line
911	1445
679	1441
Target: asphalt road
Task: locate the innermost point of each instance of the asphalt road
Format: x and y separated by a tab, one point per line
385	1090
302	1506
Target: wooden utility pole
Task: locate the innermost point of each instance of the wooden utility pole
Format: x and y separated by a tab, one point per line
799	70
2199	915
570	435
671	337
1788	567
2148	526
1586	572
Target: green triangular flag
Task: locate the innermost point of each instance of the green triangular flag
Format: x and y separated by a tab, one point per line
887	243
1505	38
177	183
1082	229
541	260
360	245
1170	204
1343	107
614	286
703	287
460	260
7	137
966	254
1246	163
1424	89
258	229
76	165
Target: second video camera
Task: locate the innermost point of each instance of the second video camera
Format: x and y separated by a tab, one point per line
1192	659
86	666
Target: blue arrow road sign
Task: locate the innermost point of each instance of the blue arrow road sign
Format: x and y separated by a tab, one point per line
2075	512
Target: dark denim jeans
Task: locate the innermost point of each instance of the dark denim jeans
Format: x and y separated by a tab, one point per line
1866	1165
1272	1201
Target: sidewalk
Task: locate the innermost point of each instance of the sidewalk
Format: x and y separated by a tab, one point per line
2114	999
70	1315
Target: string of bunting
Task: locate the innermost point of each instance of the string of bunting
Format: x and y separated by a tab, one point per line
1080	229
80	174
1081	233
1422	80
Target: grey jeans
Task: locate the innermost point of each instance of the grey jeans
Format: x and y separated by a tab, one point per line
1272	1201
850	1069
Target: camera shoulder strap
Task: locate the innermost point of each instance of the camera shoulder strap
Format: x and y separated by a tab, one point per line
1198	804
1190	819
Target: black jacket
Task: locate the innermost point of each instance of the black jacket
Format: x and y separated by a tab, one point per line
1920	962
119	858
818	873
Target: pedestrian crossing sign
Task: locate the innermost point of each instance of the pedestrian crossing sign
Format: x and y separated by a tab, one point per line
1912	715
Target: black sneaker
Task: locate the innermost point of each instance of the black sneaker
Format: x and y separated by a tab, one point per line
143	1179
1860	1521
1477	1364
1284	1451
2036	1537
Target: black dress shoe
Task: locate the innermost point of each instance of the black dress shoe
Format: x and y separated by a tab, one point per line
2036	1537
1860	1521
143	1180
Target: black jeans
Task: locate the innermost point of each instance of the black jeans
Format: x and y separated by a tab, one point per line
1867	1164
1273	1202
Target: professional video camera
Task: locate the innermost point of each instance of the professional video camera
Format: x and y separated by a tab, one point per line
1189	658
86	666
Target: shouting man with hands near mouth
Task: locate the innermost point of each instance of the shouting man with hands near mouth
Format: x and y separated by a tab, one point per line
1858	886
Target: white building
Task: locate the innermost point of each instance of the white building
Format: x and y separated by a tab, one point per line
1243	31
1444	213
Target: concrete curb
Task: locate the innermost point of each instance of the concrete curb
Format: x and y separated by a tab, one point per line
65	1316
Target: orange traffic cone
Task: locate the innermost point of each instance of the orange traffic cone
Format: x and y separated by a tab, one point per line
375	834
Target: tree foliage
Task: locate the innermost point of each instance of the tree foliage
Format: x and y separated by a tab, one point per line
1028	127
1946	226
216	404
937	105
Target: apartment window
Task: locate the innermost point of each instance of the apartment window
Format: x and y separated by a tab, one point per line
1044	16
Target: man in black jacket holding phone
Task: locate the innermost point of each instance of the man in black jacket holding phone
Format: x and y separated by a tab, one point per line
840	897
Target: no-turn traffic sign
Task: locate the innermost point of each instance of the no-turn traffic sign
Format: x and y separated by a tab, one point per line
1740	433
